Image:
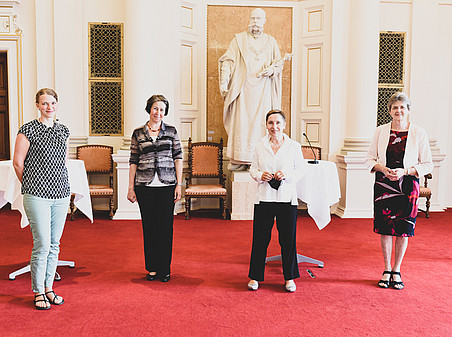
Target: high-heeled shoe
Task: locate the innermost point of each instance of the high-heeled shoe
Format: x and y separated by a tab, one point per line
165	278
253	285
387	283
150	277
399	284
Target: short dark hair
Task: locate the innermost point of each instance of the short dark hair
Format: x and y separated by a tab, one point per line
156	98
275	111
46	91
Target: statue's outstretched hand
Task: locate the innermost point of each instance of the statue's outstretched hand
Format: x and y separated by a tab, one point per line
224	89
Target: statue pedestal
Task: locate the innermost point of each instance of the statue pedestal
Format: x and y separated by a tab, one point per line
243	192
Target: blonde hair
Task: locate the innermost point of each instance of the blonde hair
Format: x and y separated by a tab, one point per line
46	91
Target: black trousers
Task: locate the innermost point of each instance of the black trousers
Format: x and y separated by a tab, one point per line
157	209
286	223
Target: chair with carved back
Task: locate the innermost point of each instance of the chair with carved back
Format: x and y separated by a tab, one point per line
307	152
98	161
205	160
426	192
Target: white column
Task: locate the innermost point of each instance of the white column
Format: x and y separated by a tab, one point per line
429	46
45	44
362	97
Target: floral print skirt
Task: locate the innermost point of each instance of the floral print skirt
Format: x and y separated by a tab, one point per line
395	205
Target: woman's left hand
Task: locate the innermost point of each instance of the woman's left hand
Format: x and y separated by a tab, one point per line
400	173
177	193
279	175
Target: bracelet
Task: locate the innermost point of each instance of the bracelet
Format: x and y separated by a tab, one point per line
179	184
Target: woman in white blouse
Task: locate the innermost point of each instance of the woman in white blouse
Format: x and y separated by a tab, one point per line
398	155
277	165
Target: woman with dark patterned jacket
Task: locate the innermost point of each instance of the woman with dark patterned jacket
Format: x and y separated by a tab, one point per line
155	181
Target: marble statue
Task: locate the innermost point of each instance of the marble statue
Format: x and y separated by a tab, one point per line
250	83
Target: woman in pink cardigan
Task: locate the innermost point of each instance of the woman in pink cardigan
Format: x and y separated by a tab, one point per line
399	154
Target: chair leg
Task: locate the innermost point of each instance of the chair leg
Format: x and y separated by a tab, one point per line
72	206
187	207
223	207
427	208
111	208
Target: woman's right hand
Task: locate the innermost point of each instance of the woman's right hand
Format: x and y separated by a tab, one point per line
267	176
390	174
131	196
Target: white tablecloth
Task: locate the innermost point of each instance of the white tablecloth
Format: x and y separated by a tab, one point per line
319	189
10	188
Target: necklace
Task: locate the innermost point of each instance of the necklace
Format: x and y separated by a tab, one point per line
278	142
254	51
150	129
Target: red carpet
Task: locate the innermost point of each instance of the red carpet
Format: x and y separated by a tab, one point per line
107	294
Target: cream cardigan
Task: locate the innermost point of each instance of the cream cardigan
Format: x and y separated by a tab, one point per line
417	151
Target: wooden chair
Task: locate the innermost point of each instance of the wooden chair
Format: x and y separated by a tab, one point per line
307	152
205	160
98	161
426	192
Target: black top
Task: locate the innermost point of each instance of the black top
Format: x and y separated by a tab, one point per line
45	172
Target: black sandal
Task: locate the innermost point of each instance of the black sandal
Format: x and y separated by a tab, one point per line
44	299
55	296
383	283
394	283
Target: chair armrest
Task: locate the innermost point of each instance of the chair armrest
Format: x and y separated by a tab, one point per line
426	177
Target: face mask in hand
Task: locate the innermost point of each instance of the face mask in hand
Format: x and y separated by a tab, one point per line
275	183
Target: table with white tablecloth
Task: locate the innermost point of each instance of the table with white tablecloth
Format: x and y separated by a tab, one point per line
10	192
319	188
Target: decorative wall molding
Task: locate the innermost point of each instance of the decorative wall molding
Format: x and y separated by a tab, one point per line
187	74
8	23
314	76
9	3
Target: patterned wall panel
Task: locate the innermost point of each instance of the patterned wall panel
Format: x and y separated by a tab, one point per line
106	116
390	72
383	115
105	50
392	46
106	79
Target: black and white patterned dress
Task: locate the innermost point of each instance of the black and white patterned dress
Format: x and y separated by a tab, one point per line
45	172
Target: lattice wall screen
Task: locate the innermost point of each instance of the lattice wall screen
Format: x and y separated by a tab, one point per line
106	79
390	72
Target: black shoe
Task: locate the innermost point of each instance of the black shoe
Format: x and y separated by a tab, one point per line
150	277
399	284
385	284
165	278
